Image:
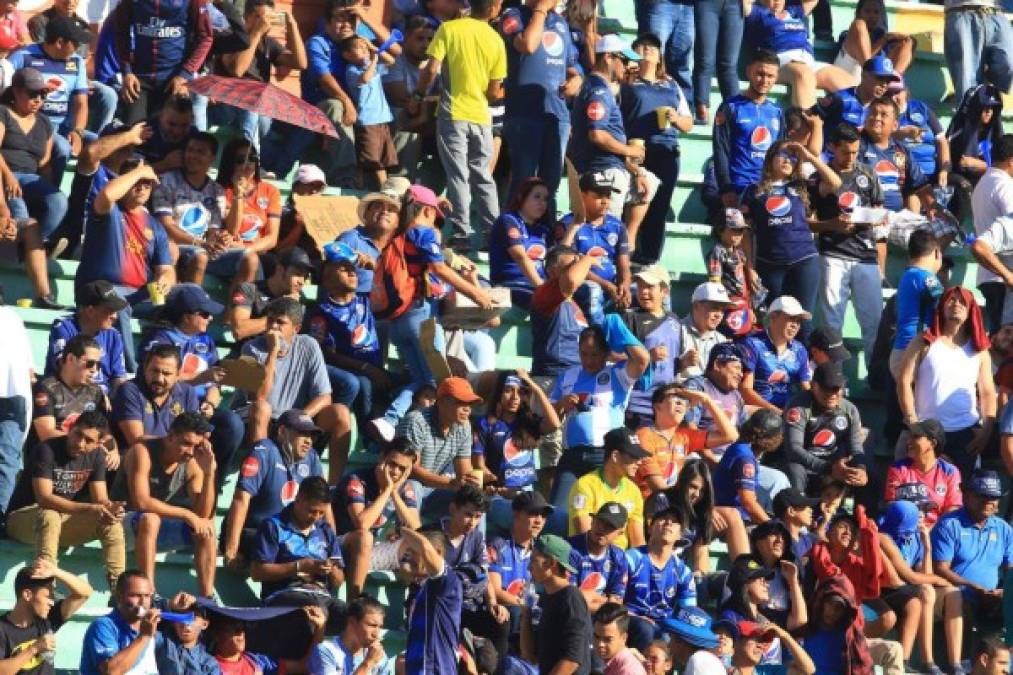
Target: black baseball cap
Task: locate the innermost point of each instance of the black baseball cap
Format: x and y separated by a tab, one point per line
830	376
830	341
986	483
769	527
295	257
297	420
626	442
723	352
794	498
596	181
99	293
748	567
67	28
930	429
531	501
764	423
613	514
30	79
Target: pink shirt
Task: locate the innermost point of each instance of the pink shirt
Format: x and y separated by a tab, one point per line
625	663
942	481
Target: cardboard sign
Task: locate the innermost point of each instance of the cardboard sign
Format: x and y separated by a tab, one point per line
327	216
244	373
460	311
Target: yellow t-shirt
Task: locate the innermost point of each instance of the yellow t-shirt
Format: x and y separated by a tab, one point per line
472	54
591	492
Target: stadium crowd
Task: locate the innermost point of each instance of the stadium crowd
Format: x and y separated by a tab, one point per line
651	493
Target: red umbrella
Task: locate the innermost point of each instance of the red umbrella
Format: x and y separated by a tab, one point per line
264	99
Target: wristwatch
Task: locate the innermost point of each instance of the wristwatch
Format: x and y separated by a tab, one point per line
418	96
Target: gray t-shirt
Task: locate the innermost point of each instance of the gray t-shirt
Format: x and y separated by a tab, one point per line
999	235
299	376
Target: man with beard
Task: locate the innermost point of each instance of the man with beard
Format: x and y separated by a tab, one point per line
720	381
602	567
97	305
148	404
852	105
823	434
970	547
61	398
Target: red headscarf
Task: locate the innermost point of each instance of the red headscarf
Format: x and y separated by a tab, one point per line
979	338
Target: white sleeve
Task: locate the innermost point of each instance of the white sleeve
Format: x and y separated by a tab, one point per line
999	235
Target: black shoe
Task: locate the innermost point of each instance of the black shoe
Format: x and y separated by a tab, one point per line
825	35
49	302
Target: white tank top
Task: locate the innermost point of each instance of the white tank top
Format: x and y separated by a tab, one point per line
946	386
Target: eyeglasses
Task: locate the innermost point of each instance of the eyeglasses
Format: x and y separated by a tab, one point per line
90	364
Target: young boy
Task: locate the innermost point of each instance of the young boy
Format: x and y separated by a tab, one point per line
611	627
374	146
187	654
917	292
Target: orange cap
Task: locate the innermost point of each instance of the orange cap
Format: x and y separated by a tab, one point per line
458	389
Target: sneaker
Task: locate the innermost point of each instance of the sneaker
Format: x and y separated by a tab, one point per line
957	669
379	430
825	35
49	302
933	669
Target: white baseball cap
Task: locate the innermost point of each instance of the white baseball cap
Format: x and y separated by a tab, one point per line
310	173
613	44
790	306
653	275
711	291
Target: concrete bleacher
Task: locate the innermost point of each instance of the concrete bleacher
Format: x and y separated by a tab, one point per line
688	238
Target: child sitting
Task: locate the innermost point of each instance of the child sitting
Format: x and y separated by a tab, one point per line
374	146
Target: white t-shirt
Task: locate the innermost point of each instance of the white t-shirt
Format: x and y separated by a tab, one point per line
999	236
195	209
704	663
992	198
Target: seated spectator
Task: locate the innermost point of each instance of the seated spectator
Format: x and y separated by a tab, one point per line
691	644
66	103
601	566
147	405
183	650
170	128
700	329
612	482
728	264
826	345
61	398
611	631
509	576
660	582
309	181
786	603
602	236
156	474
974	129
823	434
834	638
358	645
720	381
187	316
945	374
228	637
192	209
923	136
433	633
926	442
268	482
295	377
27	631
752	641
904	186
748	589
851	105
97	304
775	360
27	235
126	246
783	29
737	480
379	216
659	330
518	242
795	511
375	154
254	63
564	630
297	556
556	320
371	508
254	205
27	146
975	564
245	315
669	443
61	498
989	654
868	37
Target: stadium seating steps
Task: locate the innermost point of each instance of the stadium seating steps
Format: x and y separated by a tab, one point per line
687	242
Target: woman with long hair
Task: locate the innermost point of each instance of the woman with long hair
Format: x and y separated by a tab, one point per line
779	210
254	206
519	240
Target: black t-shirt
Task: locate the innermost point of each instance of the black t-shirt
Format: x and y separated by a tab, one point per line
54	398
859	187
14	640
70	476
22	151
564	631
264	56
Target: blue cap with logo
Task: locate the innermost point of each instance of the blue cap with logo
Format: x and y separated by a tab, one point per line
986	483
692	625
339	252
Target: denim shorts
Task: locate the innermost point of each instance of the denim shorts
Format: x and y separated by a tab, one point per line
173	534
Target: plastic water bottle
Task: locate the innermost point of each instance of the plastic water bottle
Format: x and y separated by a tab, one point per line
531	601
49	655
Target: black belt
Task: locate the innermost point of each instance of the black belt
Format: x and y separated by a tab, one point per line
974	8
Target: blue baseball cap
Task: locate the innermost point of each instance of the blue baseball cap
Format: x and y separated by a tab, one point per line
692	625
340	252
880	66
187	298
986	484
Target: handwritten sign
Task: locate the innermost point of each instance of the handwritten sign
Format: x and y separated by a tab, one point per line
244	373
327	216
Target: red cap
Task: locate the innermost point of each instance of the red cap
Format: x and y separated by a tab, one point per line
458	389
753	631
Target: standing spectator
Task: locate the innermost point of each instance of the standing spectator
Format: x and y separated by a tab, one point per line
672	23
62	500
926	441
774	361
542	73
602	567
474	61
946	374
918	291
374	146
254	63
745	127
27	640
563	633
599	142
16	374
971	27
654	110
972	549
156	473
414	135
611	630
719	27
434	621
160	48
993	198
992	249
700	332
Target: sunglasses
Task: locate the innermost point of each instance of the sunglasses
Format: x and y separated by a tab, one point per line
90	364
145	184
32	95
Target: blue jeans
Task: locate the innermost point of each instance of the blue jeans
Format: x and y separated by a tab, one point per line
574	463
718	40
101	106
355	392
41	200
672	22
663	163
13	422
139	305
965	35
62	150
537	147
481	351
642	633
404	333
226	437
253	126
801	280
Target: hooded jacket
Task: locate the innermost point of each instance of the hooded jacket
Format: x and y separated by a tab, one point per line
862	570
856	657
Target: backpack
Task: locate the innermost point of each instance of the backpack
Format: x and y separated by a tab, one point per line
394	288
